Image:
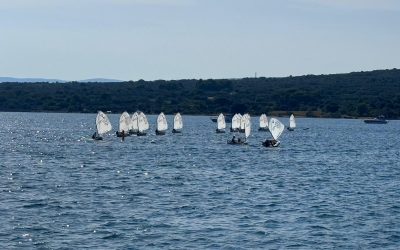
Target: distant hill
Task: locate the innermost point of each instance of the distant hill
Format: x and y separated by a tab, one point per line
100	80
30	80
357	94
22	80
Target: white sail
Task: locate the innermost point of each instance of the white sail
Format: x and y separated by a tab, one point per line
247	127
263	121
275	128
124	122
178	124
292	122
162	124
143	124
102	123
221	122
243	120
134	122
236	121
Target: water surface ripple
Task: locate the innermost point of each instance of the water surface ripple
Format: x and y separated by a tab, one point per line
333	186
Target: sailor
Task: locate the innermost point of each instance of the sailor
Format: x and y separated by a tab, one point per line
234	139
94	136
123	135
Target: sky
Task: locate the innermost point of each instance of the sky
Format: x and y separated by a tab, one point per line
193	39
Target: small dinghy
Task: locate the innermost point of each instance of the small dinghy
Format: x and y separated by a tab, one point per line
162	124
134	124
263	123
235	126
276	129
178	124
292	123
221	125
142	124
240	141
103	126
125	123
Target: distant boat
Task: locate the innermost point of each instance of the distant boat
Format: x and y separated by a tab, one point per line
243	120
263	123
247	130
125	123
377	120
228	118
162	124
103	126
142	124
134	123
276	129
221	124
292	123
236	119
178	124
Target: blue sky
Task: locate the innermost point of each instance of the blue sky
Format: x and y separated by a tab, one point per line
175	39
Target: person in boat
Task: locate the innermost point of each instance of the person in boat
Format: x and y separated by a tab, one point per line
94	136
270	143
239	140
234	139
123	135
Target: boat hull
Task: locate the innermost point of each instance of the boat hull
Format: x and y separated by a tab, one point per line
271	144
160	132
220	131
176	131
263	129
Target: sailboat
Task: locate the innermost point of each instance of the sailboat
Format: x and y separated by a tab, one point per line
243	120
263	123
221	125
178	124
247	130
162	124
134	123
125	123
235	126
292	123
275	128
103	126
142	124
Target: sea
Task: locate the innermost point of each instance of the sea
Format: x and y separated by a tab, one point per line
332	184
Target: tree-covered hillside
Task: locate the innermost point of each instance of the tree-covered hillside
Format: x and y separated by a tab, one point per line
340	95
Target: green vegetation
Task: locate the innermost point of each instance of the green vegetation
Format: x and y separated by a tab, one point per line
341	95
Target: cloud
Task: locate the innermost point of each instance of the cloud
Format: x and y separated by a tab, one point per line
385	5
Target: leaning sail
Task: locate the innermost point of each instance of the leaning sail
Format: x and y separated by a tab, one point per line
275	128
221	122
292	122
263	121
102	123
124	122
178	124
162	124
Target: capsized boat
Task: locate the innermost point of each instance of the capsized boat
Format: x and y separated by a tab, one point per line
103	126
276	129
162	124
221	125
292	123
178	124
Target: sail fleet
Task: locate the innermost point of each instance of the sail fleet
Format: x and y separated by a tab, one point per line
137	124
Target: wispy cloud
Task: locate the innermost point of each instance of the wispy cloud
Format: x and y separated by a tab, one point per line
390	5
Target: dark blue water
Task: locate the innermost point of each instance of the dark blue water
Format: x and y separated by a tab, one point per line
333	186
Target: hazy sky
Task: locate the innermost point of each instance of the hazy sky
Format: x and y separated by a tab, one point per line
175	39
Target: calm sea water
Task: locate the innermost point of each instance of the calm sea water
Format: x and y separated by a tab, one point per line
333	186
